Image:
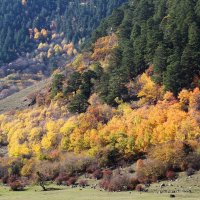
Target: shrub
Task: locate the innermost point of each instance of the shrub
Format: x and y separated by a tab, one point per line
28	169
16	185
104	184
83	183
134	182
139	188
107	174
119	183
171	154
98	174
193	161
61	178
71	181
190	172
5	179
171	175
72	164
50	170
92	168
12	178
151	171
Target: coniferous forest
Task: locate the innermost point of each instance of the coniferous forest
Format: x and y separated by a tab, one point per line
75	18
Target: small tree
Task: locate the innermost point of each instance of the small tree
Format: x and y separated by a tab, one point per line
41	181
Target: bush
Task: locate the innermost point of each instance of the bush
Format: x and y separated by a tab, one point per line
171	175
16	186
71	181
62	178
98	174
107	174
190	172
104	184
171	154
139	188
134	182
50	170
151	171
120	183
83	183
5	179
72	164
92	168
193	161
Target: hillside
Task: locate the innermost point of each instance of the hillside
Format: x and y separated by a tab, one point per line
20	99
76	19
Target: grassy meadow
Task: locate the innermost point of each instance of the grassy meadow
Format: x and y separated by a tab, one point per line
155	192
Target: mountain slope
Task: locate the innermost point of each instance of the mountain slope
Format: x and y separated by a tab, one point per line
75	18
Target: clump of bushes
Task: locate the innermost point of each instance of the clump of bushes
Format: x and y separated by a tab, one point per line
62	179
71	181
171	175
83	183
139	188
16	185
97	174
151	171
117	182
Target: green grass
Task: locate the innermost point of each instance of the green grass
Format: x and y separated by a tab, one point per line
87	194
66	193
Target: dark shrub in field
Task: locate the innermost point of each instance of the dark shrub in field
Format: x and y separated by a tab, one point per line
107	174
104	184
71	181
98	174
139	188
83	183
92	168
16	185
120	183
171	175
151	170
5	179
190	171
12	178
62	178
134	182
193	161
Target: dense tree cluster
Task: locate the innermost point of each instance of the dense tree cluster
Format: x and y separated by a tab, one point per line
163	33
75	18
125	130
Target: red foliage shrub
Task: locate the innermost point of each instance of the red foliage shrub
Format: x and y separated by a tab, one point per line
104	184
98	174
83	183
92	168
119	183
61	179
139	188
12	178
170	175
134	182
107	174
16	186
71	181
